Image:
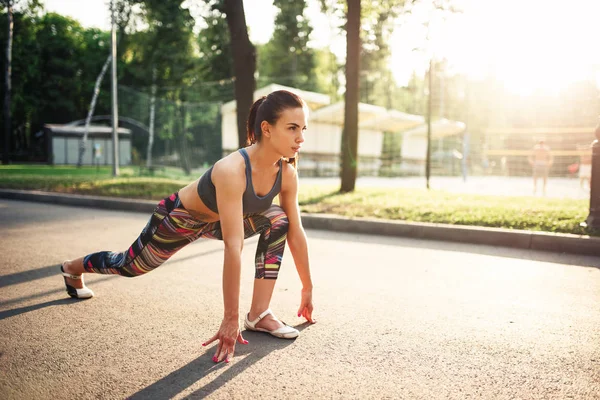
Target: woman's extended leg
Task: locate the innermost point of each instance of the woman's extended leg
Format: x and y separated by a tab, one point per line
170	228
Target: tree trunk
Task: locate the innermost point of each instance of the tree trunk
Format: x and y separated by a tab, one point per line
183	150
88	120
7	83
350	132
152	116
244	64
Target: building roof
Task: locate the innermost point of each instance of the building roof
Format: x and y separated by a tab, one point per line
94	130
334	113
313	100
393	121
440	128
369	117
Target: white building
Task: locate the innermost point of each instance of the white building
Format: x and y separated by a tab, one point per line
324	136
229	136
321	150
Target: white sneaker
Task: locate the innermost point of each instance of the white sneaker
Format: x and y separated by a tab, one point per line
285	332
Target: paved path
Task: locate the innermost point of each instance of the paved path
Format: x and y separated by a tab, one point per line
397	318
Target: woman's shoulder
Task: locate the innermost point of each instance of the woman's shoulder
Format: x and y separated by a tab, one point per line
288	170
229	167
289	175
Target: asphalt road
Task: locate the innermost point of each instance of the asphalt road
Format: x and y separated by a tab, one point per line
397	318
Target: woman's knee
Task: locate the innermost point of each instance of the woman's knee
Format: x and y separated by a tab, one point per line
113	263
278	218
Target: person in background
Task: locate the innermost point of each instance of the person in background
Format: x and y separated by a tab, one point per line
540	160
585	168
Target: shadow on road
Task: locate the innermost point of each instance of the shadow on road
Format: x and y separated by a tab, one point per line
16	311
29	275
45	272
506	252
60	288
245	356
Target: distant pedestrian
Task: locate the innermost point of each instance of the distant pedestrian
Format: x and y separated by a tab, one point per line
540	160
585	167
231	201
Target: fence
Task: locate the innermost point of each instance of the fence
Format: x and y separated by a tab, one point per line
392	143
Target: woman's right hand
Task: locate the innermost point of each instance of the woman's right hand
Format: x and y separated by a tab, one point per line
228	334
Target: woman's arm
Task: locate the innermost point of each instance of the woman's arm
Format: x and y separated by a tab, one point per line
230	186
296	238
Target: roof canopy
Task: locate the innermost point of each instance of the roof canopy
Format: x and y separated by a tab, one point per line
393	121
440	128
334	114
313	100
369	117
94	130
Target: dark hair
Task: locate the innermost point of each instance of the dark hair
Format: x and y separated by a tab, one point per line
269	108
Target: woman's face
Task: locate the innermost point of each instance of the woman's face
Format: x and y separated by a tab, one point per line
287	135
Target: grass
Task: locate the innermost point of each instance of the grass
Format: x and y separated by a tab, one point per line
434	206
416	205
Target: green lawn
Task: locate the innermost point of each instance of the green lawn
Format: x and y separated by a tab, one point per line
419	205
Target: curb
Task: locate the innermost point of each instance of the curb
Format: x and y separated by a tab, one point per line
522	239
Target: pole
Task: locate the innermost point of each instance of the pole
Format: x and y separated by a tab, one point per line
428	159
114	104
8	84
593	219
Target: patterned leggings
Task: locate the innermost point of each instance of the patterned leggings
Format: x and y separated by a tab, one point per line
171	227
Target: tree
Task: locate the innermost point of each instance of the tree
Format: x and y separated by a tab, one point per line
7	81
286	58
215	73
88	120
24	71
377	25
214	43
61	46
172	37
10	6
350	132
244	64
374	47
161	58
123	12
327	73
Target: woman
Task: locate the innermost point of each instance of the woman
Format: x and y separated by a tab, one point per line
231	201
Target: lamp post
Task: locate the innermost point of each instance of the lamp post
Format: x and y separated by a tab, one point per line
593	219
428	154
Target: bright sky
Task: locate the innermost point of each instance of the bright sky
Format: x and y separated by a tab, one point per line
528	44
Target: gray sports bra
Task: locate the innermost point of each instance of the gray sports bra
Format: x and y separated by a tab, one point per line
251	202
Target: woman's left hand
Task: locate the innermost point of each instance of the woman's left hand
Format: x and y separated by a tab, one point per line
306	306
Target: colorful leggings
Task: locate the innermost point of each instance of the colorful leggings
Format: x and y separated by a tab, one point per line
171	227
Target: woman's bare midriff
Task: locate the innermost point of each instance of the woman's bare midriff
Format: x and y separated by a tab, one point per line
194	205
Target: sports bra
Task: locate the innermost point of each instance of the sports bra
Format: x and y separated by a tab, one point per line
251	202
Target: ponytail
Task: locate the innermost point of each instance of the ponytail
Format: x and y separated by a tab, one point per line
251	136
